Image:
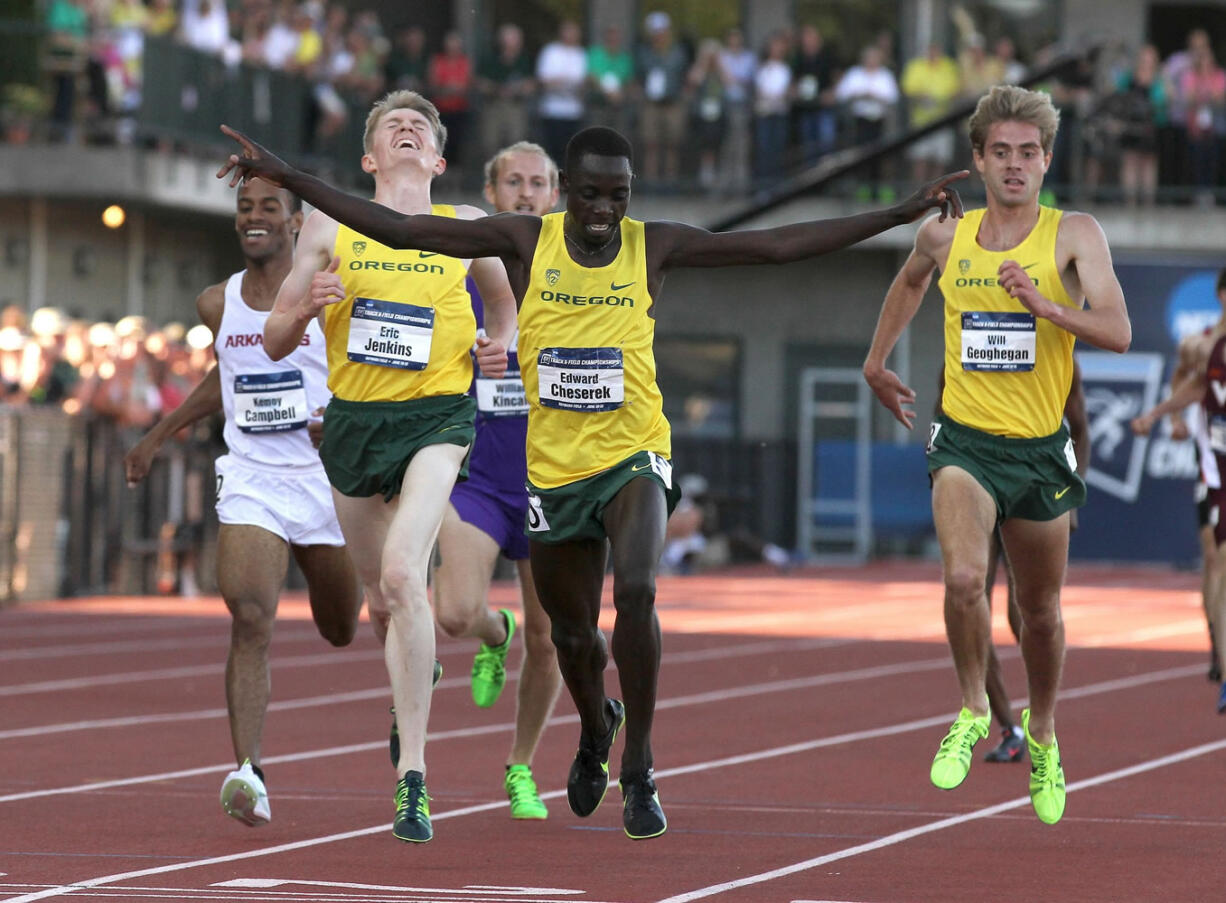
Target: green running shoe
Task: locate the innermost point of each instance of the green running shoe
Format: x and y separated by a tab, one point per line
412	823
489	667
393	740
1046	776
521	791
953	759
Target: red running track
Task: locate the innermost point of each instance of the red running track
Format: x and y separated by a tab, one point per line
798	716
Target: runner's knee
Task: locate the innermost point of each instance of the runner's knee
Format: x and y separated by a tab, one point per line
576	641
401	584
457	623
538	644
252	622
964	586
635	594
338	631
1043	621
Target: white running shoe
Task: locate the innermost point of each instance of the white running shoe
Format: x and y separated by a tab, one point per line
243	796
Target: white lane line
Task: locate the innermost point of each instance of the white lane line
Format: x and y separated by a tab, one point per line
779	686
890	840
670	703
940	825
698	655
76	650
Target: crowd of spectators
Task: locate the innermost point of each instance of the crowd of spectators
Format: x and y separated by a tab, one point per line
128	371
716	114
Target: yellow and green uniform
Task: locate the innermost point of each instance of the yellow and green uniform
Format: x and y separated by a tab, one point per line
1006	371
585	353
1007	375
398	361
398	300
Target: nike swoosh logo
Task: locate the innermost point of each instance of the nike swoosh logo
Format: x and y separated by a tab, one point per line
456	426
614	287
425	254
1029	265
1060	494
636	468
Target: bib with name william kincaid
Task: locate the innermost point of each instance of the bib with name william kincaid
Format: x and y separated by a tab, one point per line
406	325
585	352
1007	372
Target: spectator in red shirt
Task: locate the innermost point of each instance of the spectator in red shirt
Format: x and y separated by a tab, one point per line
450	79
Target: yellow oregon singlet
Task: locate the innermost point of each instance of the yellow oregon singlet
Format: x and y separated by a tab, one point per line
585	352
1006	372
406	325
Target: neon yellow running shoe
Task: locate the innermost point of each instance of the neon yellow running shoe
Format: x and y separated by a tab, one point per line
490	667
521	791
953	760
1046	776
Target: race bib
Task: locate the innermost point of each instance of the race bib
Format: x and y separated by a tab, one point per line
998	341
806	88
1217	434
501	397
390	334
581	379
663	468
270	402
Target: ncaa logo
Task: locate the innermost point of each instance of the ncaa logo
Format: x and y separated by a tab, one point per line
964	266
552	276
1117	389
359	248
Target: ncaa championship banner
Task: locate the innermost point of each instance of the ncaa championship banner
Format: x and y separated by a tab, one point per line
1141	505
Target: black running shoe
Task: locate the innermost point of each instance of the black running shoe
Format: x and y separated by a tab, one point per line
589	773
412	823
1012	748
393	740
642	816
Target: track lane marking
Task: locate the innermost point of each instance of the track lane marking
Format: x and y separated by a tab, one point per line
711	890
940	825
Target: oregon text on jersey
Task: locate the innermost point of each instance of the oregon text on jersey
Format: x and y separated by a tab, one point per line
393	267
587	300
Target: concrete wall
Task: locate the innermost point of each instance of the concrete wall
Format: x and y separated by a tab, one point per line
93	271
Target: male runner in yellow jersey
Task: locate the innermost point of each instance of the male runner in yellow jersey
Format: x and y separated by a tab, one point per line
598	444
486	517
1016	279
398	326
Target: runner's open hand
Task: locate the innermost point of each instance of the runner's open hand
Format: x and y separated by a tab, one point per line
893	393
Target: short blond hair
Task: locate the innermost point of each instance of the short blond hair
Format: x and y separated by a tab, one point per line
1009	103
493	166
405	100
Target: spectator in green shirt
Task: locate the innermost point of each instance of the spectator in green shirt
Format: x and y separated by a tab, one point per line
506	85
610	69
68	41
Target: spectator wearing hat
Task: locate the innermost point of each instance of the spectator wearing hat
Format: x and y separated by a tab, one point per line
561	70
